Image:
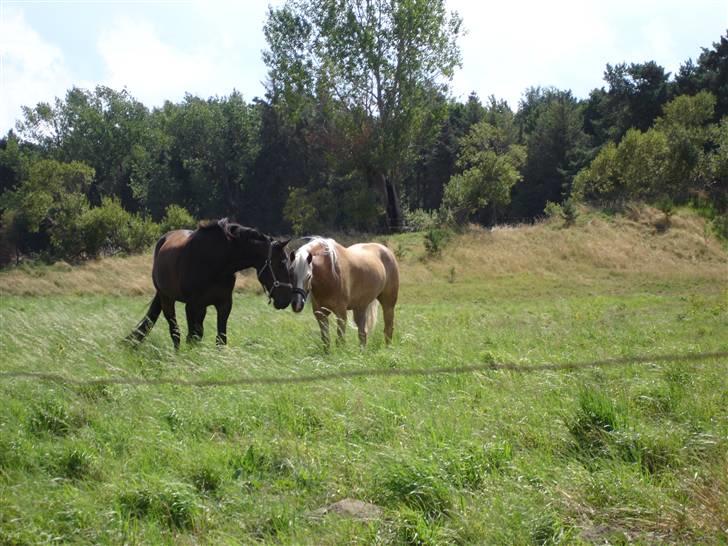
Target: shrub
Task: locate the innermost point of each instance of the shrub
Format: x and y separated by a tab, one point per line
421	220
720	226
176	217
435	240
566	211
110	228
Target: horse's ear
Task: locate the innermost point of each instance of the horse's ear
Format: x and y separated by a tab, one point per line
284	242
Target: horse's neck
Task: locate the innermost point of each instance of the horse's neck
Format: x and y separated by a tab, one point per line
251	255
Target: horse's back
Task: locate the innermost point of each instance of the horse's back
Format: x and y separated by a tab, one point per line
377	264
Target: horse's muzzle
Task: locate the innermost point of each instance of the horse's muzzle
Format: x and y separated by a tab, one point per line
298	300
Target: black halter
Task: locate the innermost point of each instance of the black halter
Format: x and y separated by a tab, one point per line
302	293
276	282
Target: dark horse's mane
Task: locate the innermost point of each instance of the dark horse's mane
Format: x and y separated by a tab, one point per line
230	229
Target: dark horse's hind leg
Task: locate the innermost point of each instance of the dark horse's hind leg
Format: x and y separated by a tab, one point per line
169	314
142	329
195	322
223	312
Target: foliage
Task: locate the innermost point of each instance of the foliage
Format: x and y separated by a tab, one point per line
567	211
490	165
381	62
358	117
435	240
176	217
557	148
421	220
666	160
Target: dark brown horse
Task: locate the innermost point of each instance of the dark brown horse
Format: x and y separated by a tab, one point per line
198	268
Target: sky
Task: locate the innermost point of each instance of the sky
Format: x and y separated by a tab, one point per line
161	50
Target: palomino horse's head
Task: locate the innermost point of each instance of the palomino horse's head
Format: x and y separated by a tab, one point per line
302	267
301	273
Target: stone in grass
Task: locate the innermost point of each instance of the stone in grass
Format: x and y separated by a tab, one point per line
352	508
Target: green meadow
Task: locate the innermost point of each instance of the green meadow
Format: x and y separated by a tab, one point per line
635	453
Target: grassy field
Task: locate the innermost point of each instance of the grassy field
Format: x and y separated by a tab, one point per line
633	453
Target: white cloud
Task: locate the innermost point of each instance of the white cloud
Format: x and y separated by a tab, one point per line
153	71
32	70
224	54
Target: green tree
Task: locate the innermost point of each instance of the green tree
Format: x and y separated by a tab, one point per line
379	60
49	203
213	147
490	162
101	128
709	73
551	123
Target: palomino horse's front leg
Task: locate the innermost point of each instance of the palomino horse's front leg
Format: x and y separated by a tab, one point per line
340	325
322	317
223	312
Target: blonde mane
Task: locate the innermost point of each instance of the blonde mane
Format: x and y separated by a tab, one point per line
329	249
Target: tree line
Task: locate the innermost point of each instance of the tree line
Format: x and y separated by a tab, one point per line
357	131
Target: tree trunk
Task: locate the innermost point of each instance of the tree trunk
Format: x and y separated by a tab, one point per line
395	218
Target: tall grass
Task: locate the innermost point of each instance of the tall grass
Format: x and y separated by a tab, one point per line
603	455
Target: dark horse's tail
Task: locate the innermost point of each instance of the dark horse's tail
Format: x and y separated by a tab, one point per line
142	329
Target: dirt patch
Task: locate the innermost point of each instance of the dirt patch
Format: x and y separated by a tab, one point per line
351	508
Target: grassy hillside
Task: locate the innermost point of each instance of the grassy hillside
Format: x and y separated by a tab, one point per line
614	454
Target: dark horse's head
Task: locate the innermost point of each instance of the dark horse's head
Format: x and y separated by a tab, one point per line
268	257
274	275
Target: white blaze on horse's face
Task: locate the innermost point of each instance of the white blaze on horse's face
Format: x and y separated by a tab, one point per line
302	272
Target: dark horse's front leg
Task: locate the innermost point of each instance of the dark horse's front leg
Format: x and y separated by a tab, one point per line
195	322
223	312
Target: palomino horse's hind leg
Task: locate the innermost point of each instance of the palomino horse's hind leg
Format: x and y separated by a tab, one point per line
223	312
195	322
169	314
388	312
360	319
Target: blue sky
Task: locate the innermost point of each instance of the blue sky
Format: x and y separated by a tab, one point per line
161	50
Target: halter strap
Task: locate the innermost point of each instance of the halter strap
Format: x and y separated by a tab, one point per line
276	282
301	292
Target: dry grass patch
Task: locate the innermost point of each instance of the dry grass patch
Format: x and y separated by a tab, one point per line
629	244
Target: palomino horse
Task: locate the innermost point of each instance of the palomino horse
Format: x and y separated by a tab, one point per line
198	268
341	278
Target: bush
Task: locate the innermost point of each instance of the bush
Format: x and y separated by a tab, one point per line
566	211
720	226
421	220
138	234
109	228
176	217
435	241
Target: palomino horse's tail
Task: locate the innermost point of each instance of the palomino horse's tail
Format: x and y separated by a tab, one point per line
372	312
142	329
